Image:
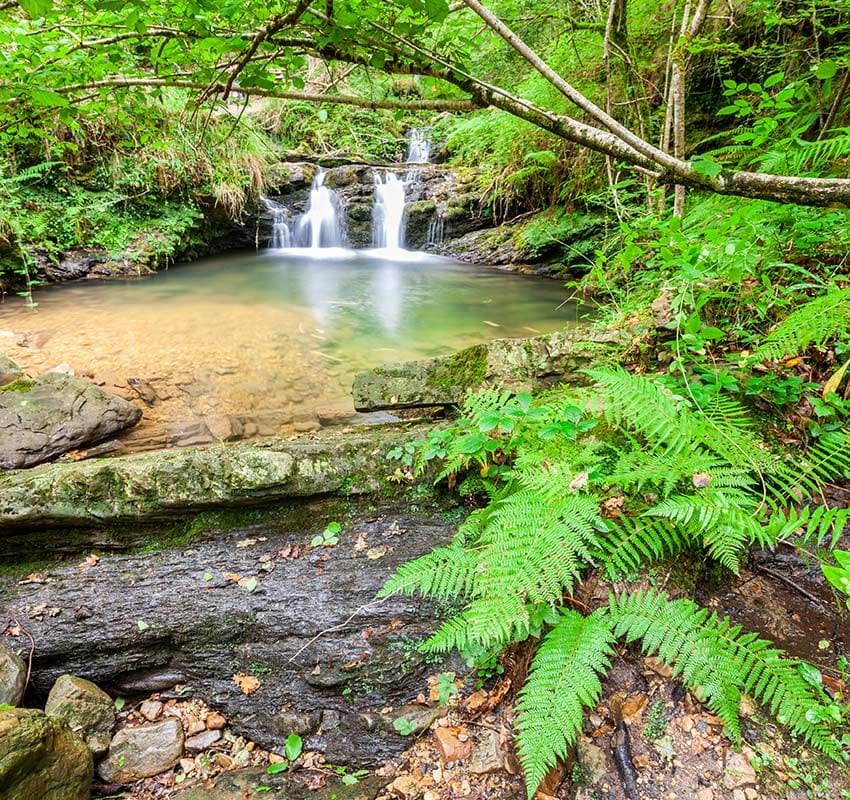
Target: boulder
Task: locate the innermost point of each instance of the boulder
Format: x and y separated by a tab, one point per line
41	759
13	677
9	370
142	752
88	710
41	418
513	364
161	484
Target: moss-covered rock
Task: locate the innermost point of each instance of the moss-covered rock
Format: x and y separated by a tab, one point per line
514	364
9	370
88	710
41	759
161	484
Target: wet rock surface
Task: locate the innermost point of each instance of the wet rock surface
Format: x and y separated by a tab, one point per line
88	710
13	677
514	364
142	752
255	622
247	782
41	418
41	759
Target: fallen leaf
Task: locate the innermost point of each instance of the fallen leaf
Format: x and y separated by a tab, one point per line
248	584
701	479
376	552
833	384
579	481
89	562
246	542
247	683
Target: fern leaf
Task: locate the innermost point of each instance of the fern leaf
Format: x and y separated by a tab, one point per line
563	681
814	323
713	655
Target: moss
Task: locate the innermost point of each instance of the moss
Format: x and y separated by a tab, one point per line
464	369
21	385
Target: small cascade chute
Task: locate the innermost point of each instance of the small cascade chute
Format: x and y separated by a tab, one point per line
388	212
418	152
322	224
281	233
436	230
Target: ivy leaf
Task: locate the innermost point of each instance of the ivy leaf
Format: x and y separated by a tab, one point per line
274	769
49	98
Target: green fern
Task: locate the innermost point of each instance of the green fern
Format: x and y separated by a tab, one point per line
716	658
814	323
563	681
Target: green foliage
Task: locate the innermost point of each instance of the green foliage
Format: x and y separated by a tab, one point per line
620	478
563	681
825	318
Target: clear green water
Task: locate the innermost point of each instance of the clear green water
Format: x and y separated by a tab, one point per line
269	340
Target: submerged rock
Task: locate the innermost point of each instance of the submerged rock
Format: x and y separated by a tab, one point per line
41	759
88	710
41	418
513	364
142	752
13	677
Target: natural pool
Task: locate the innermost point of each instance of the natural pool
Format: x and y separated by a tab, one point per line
262	343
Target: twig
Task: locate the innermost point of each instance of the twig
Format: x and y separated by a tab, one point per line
788	582
32	650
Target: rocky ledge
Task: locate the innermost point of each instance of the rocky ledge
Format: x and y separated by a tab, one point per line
513	364
166	483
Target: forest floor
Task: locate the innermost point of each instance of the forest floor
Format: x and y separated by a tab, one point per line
648	738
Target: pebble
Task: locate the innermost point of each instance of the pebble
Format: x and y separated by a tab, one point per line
203	740
195	726
738	794
150	709
215	721
705	794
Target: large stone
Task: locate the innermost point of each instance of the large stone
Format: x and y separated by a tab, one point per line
41	759
9	370
142	752
13	677
513	364
289	786
88	710
279	637
41	418
161	484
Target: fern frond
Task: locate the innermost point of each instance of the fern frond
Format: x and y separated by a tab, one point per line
562	682
811	525
715	657
814	323
445	572
488	623
633	543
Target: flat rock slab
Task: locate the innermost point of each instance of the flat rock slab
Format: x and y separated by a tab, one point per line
248	782
160	484
41	418
513	364
276	635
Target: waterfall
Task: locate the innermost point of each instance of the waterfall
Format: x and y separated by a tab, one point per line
418	146
322	223
388	213
281	234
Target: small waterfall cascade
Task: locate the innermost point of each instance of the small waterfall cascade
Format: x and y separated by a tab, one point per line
418	152
281	234
322	224
388	213
436	230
